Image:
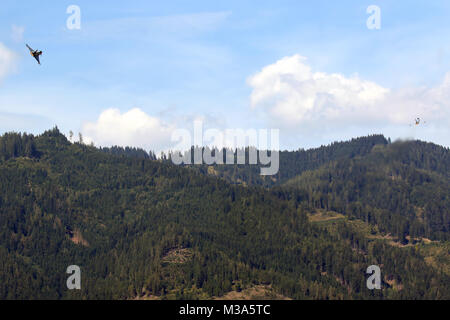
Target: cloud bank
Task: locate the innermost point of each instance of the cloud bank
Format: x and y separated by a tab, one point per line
289	94
132	128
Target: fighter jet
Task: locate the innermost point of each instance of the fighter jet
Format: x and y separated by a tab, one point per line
35	53
417	122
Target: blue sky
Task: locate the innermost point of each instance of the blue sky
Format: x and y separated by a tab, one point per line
176	61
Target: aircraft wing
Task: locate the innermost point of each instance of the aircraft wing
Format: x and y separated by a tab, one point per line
37	58
29	48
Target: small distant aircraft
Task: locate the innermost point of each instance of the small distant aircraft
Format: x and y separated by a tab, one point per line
35	53
417	122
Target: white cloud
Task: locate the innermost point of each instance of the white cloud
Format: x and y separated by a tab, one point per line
17	33
132	128
291	95
135	128
8	60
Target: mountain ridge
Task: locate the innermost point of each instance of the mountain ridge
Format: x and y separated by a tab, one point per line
132	212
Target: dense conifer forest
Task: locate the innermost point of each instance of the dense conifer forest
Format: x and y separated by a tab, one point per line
142	227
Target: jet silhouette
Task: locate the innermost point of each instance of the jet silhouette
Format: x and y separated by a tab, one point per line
417	122
35	53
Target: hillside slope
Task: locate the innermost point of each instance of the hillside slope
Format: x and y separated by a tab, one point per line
139	227
403	188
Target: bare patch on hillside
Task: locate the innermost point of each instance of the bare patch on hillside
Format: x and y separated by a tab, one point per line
393	283
321	216
77	238
259	292
149	297
212	171
177	255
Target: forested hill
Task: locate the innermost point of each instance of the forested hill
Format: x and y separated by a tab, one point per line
403	188
141	228
293	163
